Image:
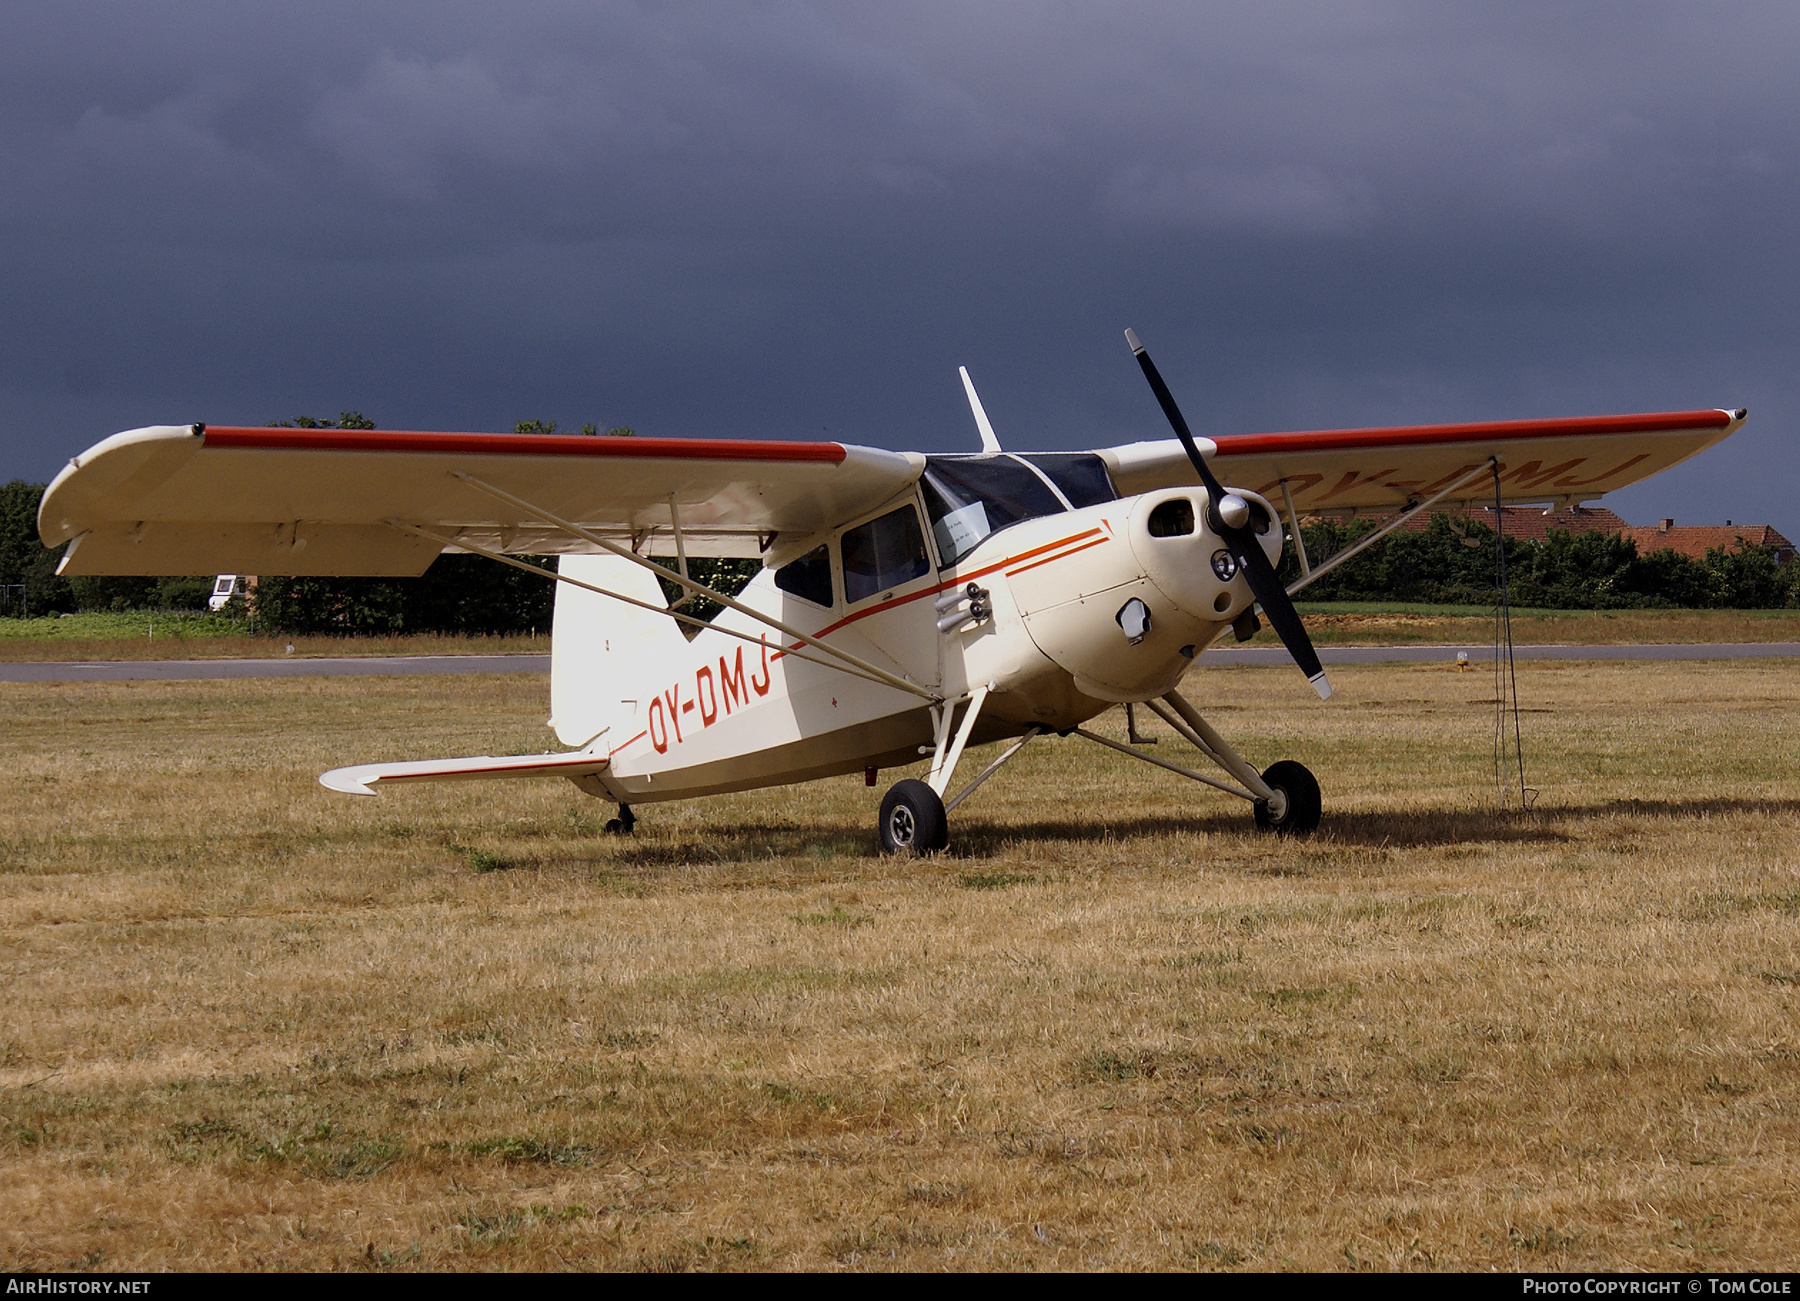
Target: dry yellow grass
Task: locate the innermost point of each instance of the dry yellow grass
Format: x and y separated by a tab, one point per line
250	1024
1544	627
165	647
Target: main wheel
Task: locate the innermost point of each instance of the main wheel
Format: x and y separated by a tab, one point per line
621	825
912	819
1295	809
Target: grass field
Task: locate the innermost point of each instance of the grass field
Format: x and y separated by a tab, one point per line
251	1024
186	634
1367	624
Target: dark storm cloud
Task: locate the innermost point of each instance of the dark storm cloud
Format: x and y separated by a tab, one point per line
782	219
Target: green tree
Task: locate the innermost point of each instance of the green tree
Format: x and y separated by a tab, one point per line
24	559
1453	562
345	420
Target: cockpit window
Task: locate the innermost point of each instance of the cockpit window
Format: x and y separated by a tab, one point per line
969	497
808	577
883	553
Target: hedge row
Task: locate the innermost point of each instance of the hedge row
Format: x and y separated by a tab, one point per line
1454	563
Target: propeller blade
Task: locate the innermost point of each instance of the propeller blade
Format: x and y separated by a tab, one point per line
1241	538
1283	618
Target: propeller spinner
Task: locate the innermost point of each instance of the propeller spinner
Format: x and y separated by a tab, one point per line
1231	520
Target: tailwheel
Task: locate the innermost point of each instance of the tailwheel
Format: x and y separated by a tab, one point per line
913	820
621	825
1295	809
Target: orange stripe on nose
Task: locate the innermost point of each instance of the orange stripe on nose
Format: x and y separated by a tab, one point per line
1062	555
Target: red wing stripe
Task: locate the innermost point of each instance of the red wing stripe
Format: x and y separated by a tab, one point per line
397	440
1332	440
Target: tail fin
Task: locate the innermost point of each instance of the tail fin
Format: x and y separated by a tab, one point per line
604	652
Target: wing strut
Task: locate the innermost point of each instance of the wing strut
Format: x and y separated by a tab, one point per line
680	547
1287	496
674	614
1362	544
845	660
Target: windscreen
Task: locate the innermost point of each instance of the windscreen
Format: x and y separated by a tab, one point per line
969	497
1082	476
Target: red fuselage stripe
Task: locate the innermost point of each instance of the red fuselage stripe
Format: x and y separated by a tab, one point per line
633	741
396	440
1332	440
1061	555
950	583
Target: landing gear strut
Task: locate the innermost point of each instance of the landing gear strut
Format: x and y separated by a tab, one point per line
1285	798
622	825
914	815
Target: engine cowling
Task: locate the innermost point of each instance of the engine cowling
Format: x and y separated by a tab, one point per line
1127	620
1189	563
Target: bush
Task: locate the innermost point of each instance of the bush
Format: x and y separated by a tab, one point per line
468	595
24	559
1453	563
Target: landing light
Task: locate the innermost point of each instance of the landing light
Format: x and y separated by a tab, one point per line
1225	565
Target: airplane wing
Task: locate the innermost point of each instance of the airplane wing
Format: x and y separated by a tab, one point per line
1565	461
197	499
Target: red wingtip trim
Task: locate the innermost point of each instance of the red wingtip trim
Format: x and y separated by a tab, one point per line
1486	432
406	440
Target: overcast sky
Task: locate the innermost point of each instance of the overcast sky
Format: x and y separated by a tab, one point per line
793	220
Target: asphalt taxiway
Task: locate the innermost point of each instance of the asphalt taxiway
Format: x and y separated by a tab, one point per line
346	666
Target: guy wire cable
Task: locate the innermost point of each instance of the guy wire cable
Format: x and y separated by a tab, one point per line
1506	678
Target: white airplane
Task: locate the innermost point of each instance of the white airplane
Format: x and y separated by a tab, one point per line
909	605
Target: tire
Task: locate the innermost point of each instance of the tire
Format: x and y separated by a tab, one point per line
912	819
1301	789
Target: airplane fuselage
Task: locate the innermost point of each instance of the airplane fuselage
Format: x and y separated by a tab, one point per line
1056	647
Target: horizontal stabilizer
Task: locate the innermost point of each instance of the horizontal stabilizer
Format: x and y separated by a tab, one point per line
359	780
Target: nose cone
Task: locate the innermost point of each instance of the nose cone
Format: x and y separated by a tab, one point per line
1186	560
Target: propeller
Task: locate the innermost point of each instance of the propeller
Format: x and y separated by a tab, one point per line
1230	519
